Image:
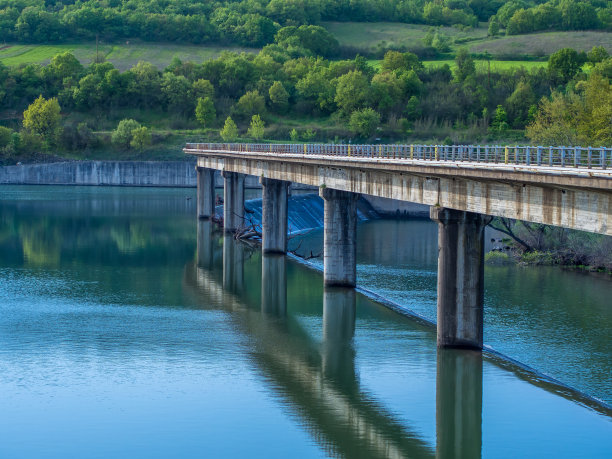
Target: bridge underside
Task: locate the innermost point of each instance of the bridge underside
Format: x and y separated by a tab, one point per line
558	199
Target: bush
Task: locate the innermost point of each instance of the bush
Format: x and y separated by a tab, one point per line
364	122
230	130
6	135
130	133
498	259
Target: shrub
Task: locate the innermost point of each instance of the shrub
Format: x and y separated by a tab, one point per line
122	136
364	122
230	130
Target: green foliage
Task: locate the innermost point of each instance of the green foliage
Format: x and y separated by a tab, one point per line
251	103
578	117
203	88
279	97
352	91
205	111
597	54
141	136
6	135
43	118
498	259
565	64
493	29
257	128
124	133
465	66
500	120
294	135
229	131
364	122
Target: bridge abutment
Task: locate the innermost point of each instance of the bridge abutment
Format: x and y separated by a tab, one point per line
205	192
274	215
340	237
233	201
460	277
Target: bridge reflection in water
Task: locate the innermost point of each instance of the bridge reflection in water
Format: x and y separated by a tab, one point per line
318	377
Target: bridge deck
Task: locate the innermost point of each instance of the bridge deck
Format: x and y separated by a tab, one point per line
555	187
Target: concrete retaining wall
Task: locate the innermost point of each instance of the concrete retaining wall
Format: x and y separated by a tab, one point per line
121	173
117	173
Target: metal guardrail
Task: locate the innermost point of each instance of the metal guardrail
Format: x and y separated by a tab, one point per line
587	157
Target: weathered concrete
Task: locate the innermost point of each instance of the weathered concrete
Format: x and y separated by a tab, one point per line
233	201
572	199
274	215
274	285
459	404
117	173
460	277
340	238
206	192
392	208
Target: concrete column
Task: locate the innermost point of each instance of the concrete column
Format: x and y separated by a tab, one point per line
206	192
204	251
338	332
233	201
340	237
274	215
459	403
274	285
460	277
233	264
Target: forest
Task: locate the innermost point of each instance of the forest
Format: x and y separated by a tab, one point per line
256	22
290	92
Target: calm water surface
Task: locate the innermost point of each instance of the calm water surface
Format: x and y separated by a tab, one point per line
128	329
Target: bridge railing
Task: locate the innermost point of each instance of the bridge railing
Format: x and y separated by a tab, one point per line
587	157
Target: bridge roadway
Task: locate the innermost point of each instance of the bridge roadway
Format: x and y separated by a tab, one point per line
464	185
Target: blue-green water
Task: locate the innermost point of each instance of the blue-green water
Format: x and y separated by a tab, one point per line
127	329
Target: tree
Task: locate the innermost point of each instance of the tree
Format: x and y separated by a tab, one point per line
141	136
564	64
43	118
493	27
279	97
205	111
123	135
294	135
597	54
500	120
251	103
465	65
203	88
257	128
352	91
364	122
229	131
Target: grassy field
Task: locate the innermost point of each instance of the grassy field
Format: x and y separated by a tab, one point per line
123	56
369	35
390	34
480	64
543	44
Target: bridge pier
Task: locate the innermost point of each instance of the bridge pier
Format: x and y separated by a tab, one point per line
460	276
274	215
233	201
205	192
339	312
340	237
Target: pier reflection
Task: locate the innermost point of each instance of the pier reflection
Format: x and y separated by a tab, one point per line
233	264
459	403
274	285
318	381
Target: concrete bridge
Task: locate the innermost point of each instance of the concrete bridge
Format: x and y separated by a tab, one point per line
464	185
